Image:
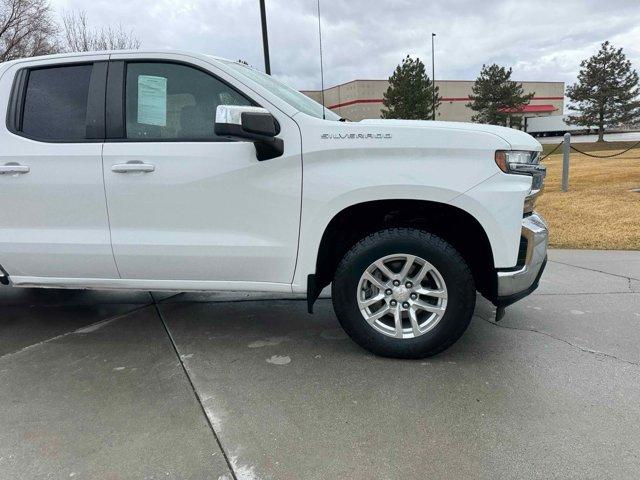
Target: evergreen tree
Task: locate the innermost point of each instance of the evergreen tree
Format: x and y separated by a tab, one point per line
411	92
496	97
606	92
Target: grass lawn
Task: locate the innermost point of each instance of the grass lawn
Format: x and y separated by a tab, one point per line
599	211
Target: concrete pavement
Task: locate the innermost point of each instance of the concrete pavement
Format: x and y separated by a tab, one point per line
106	401
106	385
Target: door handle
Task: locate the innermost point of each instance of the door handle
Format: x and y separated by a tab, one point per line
133	167
13	169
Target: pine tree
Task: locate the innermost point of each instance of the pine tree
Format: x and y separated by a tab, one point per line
410	93
606	92
496	97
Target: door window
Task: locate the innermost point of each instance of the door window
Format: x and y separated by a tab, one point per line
168	101
55	104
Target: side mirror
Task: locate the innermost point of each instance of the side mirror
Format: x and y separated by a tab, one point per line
250	123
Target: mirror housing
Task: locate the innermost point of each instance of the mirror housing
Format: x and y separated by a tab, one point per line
250	123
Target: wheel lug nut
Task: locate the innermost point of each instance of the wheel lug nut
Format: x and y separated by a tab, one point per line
405	305
388	291
393	303
408	285
396	283
414	296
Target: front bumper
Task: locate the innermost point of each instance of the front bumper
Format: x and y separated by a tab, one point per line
514	284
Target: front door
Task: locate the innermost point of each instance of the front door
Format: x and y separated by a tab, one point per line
186	205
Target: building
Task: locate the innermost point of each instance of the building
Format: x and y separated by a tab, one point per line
361	99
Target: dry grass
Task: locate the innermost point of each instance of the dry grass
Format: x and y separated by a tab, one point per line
598	211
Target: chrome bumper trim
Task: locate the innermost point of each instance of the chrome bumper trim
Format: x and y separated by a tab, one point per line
511	283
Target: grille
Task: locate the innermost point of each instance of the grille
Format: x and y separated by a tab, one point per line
522	252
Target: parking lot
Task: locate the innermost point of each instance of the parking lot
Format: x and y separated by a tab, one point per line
117	385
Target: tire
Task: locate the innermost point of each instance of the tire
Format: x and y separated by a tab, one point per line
450	278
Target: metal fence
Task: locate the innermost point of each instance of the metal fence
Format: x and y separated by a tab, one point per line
566	151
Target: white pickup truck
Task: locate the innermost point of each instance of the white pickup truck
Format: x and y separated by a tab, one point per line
177	171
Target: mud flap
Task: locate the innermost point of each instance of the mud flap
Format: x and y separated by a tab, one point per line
313	292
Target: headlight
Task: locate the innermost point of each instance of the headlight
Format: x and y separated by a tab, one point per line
524	162
518	161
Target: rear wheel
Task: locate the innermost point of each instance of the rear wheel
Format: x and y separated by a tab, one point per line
403	293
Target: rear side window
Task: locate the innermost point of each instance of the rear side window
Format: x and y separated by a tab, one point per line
55	103
168	101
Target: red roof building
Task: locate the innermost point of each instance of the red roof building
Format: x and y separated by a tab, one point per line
530	109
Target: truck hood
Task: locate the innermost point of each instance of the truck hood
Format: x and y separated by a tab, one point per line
517	139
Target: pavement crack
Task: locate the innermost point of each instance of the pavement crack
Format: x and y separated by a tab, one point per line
598	271
86	328
193	387
574	345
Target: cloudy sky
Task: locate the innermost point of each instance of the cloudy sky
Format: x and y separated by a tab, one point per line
541	40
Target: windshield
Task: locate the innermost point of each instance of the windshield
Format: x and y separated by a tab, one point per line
297	100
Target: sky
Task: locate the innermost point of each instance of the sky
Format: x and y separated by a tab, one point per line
541	40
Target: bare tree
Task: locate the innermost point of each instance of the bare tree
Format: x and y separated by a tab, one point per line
26	29
79	36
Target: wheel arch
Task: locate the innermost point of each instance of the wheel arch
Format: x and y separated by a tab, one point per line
451	223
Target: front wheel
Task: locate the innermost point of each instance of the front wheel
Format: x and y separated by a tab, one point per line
403	293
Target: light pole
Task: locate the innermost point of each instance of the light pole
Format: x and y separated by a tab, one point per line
433	75
265	39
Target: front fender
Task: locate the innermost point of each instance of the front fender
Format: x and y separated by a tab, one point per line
384	162
313	227
497	204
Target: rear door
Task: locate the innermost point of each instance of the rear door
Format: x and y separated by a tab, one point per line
53	217
185	204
